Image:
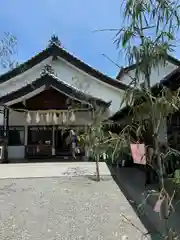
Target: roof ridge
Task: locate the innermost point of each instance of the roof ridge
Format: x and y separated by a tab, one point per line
56	50
132	66
73	87
54	81
89	65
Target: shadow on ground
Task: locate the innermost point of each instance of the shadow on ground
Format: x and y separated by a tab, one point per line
152	232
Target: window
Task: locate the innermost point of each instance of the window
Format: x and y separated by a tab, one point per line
40	134
1	132
16	136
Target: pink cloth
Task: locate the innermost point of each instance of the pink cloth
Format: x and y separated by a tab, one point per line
138	153
157	207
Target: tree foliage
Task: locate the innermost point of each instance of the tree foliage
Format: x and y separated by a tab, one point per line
151	30
149	34
8	49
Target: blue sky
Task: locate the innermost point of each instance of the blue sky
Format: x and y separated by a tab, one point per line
74	21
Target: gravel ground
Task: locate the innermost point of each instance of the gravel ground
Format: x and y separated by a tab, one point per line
64	208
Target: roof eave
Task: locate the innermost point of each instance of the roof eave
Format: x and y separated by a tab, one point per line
50	80
55	50
166	82
133	66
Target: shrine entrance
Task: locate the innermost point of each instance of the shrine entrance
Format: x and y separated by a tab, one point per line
39	142
49	119
62	142
40	117
50	142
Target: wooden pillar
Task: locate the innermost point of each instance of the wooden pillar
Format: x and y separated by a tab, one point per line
25	139
53	140
5	133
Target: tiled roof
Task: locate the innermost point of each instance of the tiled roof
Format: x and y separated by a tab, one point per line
56	51
50	80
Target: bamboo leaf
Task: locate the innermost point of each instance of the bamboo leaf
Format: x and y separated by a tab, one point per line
126	37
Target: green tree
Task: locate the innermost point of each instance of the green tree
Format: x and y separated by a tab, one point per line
100	143
148	36
8	45
94	140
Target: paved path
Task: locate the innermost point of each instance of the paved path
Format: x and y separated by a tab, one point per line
39	170
47	204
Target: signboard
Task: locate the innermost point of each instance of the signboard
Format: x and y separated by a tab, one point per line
5	133
6	123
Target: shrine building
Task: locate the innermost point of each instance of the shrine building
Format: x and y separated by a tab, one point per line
47	96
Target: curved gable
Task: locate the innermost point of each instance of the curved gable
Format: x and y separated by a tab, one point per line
55	51
46	81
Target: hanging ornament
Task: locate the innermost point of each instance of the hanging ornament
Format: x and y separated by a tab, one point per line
72	117
28	118
41	117
55	118
47	118
64	119
50	117
37	117
60	117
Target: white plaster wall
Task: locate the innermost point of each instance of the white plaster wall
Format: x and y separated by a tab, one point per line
157	74
72	75
16	152
23	79
88	84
